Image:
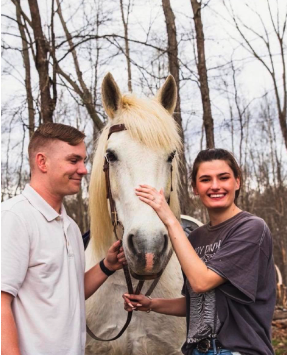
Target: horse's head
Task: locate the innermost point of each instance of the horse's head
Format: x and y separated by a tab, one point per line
141	154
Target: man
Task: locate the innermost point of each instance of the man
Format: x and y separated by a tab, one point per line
44	284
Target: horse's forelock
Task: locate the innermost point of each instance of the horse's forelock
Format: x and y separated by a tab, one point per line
148	122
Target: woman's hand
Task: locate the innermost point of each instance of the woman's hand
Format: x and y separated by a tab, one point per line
115	257
157	201
137	303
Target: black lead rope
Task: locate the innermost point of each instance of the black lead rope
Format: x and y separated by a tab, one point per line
137	291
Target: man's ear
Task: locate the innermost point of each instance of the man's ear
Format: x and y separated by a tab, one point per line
41	162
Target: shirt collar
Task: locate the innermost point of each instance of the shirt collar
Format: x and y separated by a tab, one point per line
42	205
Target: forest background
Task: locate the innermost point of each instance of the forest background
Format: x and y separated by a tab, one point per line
228	58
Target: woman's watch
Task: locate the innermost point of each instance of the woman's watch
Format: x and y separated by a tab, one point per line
104	269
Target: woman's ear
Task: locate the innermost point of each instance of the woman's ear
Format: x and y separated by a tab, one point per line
237	187
195	191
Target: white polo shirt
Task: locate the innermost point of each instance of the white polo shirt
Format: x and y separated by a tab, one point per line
43	268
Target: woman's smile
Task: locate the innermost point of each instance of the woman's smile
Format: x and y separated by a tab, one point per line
217	196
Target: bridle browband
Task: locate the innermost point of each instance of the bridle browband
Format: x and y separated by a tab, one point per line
116	223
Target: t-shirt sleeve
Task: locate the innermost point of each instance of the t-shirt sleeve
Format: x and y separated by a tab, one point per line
14	252
237	260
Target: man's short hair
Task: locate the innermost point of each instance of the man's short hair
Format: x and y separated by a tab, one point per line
48	132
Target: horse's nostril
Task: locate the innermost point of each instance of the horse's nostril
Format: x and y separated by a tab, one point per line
165	242
131	243
138	244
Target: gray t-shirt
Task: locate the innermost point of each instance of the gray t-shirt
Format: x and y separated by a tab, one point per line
239	312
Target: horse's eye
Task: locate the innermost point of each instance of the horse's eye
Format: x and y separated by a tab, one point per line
171	156
110	156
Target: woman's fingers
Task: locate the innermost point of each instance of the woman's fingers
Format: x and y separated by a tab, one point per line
134	300
131	305
128	308
144	186
145	194
133	297
151	197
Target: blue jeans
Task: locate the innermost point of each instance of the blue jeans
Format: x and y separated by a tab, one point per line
210	352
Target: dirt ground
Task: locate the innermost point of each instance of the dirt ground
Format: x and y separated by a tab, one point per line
279	340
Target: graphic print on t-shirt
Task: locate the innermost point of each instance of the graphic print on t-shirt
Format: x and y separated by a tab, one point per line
203	319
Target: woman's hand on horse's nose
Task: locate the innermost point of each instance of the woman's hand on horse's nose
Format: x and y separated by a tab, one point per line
157	201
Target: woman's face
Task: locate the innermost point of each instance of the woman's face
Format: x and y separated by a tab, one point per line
216	184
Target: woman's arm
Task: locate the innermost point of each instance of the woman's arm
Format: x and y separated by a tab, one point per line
172	307
201	278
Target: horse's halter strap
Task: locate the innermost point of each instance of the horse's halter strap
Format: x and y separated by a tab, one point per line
106	169
116	223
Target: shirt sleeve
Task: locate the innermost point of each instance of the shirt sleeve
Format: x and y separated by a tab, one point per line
14	252
238	261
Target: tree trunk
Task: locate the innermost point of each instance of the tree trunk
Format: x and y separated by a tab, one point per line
26	61
127	48
42	64
185	202
83	92
202	72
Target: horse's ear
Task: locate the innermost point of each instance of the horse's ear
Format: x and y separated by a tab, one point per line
167	95
111	95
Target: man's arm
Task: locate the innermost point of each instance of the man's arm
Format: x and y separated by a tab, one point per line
9	336
95	277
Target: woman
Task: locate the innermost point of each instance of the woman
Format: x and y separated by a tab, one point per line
229	275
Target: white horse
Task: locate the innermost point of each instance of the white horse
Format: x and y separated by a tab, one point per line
141	154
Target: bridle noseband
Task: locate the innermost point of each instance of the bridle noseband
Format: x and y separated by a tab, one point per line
116	223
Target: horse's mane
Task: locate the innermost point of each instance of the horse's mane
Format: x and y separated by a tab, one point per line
148	122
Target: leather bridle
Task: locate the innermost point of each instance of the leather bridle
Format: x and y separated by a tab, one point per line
116	223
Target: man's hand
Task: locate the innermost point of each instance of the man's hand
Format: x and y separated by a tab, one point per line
115	257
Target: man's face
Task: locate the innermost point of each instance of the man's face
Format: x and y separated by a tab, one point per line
65	167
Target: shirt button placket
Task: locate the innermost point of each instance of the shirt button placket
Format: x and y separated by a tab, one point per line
69	247
60	218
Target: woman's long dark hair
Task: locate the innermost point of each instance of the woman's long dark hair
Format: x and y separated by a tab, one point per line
217	154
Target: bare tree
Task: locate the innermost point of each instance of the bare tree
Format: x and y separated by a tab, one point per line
48	104
26	61
172	50
202	72
127	46
81	90
245	29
